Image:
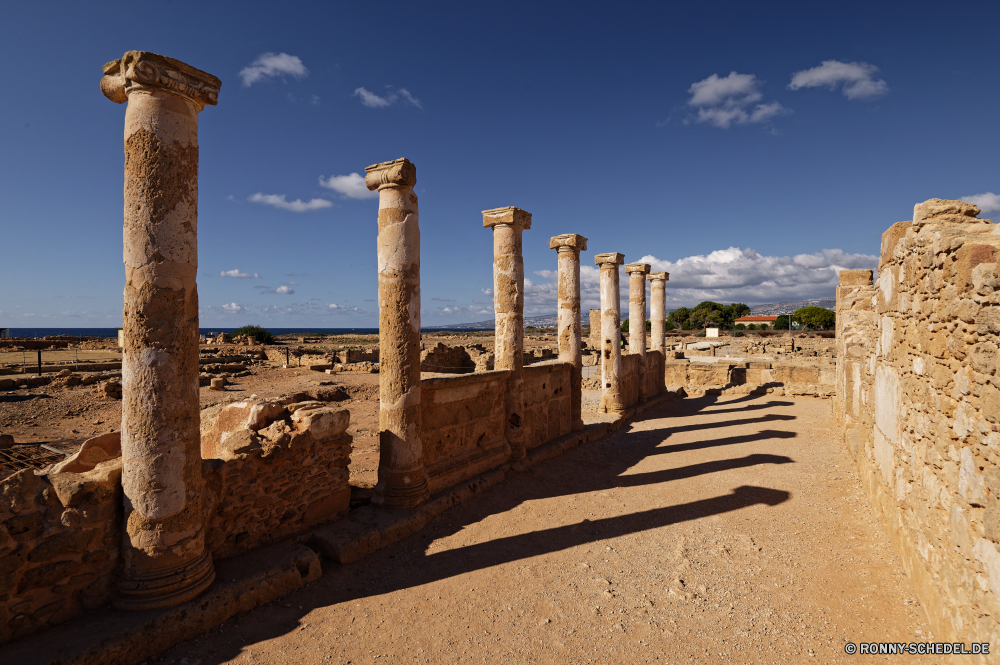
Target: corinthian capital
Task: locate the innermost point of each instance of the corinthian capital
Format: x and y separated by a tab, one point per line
569	241
612	258
138	69
397	173
509	215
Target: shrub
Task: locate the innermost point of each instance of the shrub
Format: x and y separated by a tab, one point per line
262	335
737	333
740	326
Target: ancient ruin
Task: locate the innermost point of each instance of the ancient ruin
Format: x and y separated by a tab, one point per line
207	503
166	561
611	347
402	481
569	247
508	300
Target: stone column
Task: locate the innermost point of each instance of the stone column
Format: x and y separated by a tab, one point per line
165	558
569	246
611	334
508	293
657	320
402	481
637	314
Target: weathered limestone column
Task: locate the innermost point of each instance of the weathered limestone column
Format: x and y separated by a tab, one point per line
508	293
637	313
402	481
165	559
569	246
657	320
611	334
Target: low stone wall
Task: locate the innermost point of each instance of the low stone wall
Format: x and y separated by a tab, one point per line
630	377
547	402
462	425
919	405
767	376
60	538
443	359
272	469
655	373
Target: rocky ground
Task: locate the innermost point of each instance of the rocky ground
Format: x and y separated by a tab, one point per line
712	530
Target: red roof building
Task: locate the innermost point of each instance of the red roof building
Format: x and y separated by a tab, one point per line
756	319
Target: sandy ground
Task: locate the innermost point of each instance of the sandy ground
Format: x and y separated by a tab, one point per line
712	530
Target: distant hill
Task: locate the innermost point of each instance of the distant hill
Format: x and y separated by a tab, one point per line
550	321
775	309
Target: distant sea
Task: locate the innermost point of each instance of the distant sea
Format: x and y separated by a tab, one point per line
113	332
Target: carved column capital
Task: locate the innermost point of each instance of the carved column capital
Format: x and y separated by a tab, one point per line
397	173
142	69
568	242
631	268
510	215
661	276
611	258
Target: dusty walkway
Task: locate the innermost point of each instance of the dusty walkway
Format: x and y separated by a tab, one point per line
713	530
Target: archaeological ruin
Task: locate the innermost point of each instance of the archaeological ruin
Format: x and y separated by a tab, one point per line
161	521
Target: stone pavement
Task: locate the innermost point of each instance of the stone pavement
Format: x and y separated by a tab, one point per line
710	530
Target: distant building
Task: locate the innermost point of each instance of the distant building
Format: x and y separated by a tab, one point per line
4	332
756	319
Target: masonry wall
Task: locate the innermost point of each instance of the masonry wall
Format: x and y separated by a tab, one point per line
547	402
272	470
757	377
654	373
60	538
919	404
462	425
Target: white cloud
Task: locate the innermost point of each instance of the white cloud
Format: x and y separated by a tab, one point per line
343	308
725	275
987	201
858	79
444	299
235	308
236	272
352	186
374	101
487	292
722	101
286	290
278	201
268	65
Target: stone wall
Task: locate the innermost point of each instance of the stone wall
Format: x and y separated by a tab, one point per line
753	376
60	539
272	469
442	359
919	403
462	425
654	373
547	402
630	379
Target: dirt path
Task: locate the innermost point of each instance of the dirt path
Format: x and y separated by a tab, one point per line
713	530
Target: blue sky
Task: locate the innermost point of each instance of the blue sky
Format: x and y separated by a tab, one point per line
750	149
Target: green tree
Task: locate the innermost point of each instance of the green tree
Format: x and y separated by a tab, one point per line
262	335
819	318
781	323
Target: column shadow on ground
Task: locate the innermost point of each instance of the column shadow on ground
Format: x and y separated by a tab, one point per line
601	465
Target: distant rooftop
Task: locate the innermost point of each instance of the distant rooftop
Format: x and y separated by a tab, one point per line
756	319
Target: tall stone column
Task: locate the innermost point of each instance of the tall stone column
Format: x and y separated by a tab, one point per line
165	558
402	481
569	246
637	315
657	319
508	293
611	334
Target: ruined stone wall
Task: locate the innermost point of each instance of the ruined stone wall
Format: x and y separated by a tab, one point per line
60	540
929	391
756	377
654	373
272	470
462	430
446	360
630	379
548	411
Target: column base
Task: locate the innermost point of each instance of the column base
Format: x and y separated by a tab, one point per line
517	453
167	587
399	496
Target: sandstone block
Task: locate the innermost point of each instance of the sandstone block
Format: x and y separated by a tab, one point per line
323	422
